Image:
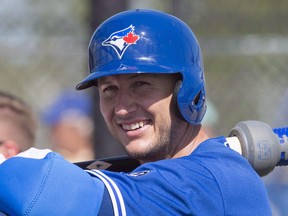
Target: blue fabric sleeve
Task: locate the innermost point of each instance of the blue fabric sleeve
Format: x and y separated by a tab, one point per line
48	186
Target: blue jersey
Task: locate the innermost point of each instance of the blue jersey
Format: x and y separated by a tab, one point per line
212	180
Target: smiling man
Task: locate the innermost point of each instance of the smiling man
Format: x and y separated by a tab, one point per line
139	112
147	67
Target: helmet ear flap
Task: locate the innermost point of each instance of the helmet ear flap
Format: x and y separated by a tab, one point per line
177	86
193	110
198	105
175	106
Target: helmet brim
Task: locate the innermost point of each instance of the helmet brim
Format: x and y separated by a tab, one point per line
91	79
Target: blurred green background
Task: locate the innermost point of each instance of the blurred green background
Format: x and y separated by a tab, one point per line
43	50
244	43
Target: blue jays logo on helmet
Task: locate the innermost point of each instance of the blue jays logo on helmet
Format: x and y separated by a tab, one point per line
121	40
150	41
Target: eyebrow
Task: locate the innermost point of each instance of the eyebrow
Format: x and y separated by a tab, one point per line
133	76
105	80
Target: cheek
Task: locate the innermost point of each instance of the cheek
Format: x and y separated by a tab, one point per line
162	108
106	111
166	102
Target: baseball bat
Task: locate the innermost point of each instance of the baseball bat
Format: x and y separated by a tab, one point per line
264	148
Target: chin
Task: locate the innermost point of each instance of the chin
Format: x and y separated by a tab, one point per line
136	151
144	154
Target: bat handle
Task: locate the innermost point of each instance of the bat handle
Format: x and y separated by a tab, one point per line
282	134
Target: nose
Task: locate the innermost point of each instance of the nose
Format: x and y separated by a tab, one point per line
124	103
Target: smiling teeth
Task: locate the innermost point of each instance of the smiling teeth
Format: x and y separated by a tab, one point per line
133	126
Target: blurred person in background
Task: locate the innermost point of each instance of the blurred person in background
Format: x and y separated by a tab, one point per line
18	125
70	126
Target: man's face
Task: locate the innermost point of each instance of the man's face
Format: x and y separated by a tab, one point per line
138	111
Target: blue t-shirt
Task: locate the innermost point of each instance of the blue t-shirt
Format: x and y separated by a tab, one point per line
212	180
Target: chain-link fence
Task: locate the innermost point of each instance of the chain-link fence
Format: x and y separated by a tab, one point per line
244	43
245	49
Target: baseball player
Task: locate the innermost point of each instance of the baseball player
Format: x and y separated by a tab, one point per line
147	67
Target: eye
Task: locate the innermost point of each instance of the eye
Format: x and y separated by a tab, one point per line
140	86
107	90
114	38
141	83
110	88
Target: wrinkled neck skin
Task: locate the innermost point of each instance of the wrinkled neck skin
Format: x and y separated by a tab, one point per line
188	138
192	138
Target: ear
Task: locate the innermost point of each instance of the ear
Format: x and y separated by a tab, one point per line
9	148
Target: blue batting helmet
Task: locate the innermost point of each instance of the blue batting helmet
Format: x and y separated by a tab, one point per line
149	41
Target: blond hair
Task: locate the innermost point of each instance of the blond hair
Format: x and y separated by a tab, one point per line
17	121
